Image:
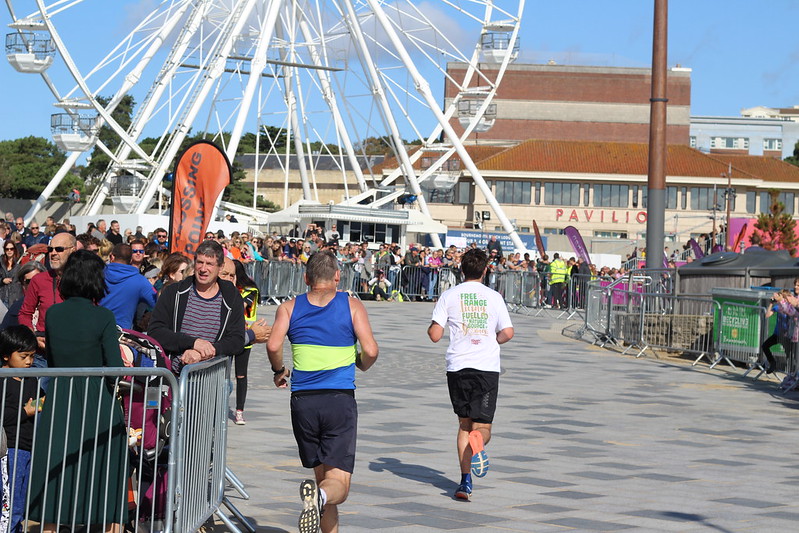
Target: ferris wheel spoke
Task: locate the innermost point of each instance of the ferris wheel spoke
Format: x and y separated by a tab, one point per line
317	79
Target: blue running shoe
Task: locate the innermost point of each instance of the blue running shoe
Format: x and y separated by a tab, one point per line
463	492
480	458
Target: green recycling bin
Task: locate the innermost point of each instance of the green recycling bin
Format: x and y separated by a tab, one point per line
741	332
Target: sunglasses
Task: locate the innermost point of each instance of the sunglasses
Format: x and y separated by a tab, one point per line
9	248
59	249
137	251
34	227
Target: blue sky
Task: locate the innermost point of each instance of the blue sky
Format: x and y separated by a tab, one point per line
742	53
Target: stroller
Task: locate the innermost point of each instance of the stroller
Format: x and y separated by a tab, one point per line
146	403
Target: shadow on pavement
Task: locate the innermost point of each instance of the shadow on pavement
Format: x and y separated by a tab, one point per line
690	517
420	473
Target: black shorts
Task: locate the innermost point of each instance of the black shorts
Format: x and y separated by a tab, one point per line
325	426
474	394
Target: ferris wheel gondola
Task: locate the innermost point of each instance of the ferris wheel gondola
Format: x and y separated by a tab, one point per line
325	75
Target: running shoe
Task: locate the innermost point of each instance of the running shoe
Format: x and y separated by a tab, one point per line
463	492
480	458
240	418
311	515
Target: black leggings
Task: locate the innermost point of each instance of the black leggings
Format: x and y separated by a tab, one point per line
378	291
787	346
240	363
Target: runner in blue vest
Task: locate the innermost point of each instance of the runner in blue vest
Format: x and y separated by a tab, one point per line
323	327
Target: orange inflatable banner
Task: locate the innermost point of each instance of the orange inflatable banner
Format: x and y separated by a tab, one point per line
201	174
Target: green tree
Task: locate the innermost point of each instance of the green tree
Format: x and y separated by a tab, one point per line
28	164
240	193
122	115
775	230
374	146
273	138
794	159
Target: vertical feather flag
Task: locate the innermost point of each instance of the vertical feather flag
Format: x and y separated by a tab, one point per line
578	245
201	174
539	242
698	253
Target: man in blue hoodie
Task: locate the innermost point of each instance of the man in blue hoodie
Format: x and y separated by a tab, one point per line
126	286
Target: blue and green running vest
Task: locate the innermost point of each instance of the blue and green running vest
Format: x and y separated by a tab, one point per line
322	344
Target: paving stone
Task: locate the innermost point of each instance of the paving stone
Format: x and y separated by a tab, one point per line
584	440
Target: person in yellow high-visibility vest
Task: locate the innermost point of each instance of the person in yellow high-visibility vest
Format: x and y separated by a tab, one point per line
558	272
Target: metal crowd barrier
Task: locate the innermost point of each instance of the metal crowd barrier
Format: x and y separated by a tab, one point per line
201	446
624	318
74	399
279	280
350	279
415	281
597	313
578	292
447	278
521	290
653	280
168	436
680	323
651	320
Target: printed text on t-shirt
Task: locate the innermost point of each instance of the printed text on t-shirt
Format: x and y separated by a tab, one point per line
474	313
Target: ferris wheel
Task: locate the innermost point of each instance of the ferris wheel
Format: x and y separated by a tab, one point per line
326	75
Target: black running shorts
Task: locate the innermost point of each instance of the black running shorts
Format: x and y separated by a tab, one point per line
325	426
474	394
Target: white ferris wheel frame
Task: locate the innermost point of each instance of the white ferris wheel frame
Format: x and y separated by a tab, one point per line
223	50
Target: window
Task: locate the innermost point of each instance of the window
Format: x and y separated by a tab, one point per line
537	193
611	195
611	234
692	141
586	194
644	197
635	196
553	231
787	199
751	197
463	192
671	197
702	199
684	198
731	143
772	144
722	199
427	162
558	193
513	192
451	165
355	231
524	229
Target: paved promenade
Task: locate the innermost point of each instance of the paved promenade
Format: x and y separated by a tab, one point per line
584	439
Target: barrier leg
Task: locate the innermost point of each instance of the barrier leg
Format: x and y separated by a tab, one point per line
236	483
239	516
229	523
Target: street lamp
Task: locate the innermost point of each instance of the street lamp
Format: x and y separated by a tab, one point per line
729	198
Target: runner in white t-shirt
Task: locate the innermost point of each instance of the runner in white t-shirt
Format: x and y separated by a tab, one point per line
478	322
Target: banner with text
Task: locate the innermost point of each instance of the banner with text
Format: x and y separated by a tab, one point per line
201	174
463	238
